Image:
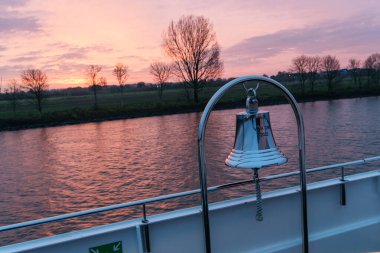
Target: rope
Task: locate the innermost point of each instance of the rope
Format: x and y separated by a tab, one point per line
259	203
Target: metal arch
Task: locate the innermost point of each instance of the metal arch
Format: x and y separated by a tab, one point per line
202	162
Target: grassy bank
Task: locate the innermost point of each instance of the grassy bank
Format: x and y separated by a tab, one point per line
78	109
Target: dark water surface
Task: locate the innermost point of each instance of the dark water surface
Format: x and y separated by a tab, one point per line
56	170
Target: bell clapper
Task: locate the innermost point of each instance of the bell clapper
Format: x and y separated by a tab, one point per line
259	206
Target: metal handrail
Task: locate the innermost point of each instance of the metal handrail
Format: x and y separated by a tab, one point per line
178	195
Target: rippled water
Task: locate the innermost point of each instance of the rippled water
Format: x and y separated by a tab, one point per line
56	170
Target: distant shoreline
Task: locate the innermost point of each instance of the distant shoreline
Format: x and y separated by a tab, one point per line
102	114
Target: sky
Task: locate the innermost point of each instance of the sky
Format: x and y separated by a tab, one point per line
63	37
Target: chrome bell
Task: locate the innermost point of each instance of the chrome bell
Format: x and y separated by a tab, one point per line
254	146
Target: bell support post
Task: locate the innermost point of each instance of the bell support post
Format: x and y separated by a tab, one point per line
202	162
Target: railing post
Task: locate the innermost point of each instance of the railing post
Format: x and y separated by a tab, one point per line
145	232
342	188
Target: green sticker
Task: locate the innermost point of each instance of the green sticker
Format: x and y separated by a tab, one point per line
115	247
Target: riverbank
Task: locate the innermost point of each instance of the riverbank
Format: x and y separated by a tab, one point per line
175	101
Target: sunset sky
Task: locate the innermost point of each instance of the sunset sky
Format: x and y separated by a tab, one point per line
62	37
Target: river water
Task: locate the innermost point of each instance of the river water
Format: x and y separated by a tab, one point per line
56	170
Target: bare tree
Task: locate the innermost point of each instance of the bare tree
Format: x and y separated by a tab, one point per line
368	66
121	73
102	81
372	65
299	67
92	72
313	66
354	70
331	66
161	73
191	44
35	81
13	91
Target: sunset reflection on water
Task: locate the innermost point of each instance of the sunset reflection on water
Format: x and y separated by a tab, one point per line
56	170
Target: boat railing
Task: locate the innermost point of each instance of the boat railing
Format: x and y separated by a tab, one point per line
143	202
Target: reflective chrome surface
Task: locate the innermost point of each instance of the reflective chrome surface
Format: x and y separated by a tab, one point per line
254	146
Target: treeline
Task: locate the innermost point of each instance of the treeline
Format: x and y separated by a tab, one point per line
8	93
309	72
15	93
308	69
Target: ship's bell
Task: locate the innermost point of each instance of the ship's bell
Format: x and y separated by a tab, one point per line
254	146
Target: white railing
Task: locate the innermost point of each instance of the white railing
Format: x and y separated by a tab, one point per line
143	202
